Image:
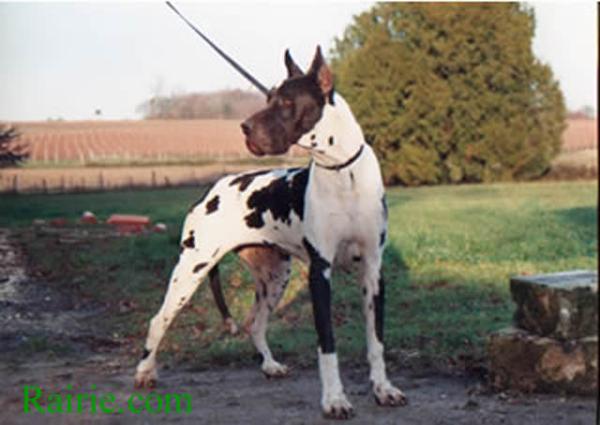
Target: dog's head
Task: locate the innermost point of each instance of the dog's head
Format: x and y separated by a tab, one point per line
292	109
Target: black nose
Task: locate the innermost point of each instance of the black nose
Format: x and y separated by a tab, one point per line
246	127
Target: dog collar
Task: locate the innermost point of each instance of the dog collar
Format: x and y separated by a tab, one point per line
338	167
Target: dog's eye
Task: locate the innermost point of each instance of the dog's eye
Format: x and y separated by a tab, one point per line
286	103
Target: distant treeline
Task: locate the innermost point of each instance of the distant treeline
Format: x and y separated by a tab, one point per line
224	104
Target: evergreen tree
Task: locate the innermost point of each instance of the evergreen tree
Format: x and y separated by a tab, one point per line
451	92
11	151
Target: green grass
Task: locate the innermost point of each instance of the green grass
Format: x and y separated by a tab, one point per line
450	254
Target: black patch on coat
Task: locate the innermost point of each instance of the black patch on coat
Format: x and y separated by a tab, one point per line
379	301
330	99
245	179
385	207
202	198
254	220
199	267
189	242
320	291
382	238
145	354
282	196
212	205
299	183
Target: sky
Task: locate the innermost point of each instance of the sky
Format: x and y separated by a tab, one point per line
66	60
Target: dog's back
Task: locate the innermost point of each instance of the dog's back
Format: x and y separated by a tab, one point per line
266	206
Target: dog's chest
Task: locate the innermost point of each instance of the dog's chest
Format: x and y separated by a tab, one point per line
344	204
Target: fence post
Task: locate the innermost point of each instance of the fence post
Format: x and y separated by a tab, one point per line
15	183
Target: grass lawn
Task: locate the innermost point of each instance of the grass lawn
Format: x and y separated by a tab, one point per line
450	254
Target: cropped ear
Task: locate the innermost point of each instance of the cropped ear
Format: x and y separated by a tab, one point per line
293	69
322	73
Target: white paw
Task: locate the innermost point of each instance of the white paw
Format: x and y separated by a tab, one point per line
146	379
388	395
273	369
337	407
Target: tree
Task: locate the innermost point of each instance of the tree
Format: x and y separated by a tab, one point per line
11	152
451	92
223	104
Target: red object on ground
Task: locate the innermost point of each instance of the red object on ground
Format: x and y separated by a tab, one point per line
58	222
129	223
88	217
160	228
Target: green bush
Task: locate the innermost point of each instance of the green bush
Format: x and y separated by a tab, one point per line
450	93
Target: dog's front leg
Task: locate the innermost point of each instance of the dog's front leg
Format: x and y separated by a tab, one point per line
373	304
334	403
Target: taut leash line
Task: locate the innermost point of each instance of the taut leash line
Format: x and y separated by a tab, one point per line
224	55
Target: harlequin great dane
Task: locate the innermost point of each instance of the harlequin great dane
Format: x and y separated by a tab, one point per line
333	210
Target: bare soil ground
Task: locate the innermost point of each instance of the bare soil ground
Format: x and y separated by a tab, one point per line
49	339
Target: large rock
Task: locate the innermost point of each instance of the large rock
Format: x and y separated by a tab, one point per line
530	363
559	305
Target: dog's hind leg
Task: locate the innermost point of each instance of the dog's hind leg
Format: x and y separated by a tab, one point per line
374	295
215	287
271	271
190	271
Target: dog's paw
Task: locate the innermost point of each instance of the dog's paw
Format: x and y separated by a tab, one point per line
146	379
230	326
388	395
338	408
274	369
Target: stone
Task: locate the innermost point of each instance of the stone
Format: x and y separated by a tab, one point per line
526	362
558	305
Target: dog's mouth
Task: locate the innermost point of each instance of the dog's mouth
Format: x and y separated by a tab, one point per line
253	148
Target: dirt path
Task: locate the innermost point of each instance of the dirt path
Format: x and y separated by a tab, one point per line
32	316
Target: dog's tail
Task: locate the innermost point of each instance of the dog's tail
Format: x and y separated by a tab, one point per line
217	291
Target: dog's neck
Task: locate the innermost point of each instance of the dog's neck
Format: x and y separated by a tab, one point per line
337	139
